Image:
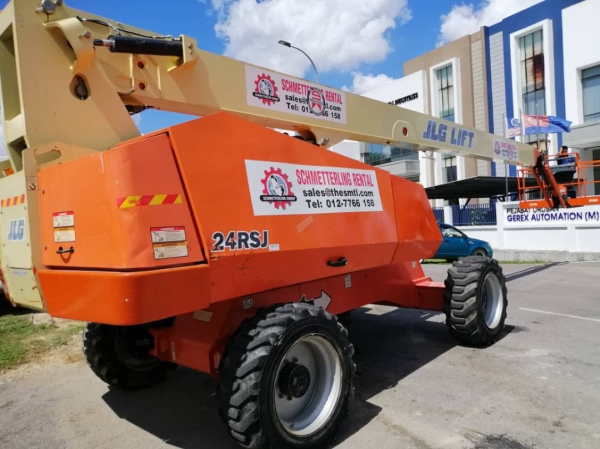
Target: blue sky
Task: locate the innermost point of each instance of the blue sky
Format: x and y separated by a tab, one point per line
356	44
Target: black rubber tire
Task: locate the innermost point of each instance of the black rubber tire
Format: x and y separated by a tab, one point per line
248	367
480	250
464	300
102	356
345	315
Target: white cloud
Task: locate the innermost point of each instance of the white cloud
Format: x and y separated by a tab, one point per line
467	19
337	34
365	83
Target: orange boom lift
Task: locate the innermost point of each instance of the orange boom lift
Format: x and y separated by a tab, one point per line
218	244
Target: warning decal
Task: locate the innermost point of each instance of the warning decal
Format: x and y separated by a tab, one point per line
169	242
64	226
64	234
63	219
169	234
170	250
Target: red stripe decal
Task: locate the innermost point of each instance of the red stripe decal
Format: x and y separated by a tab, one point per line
145	200
170	199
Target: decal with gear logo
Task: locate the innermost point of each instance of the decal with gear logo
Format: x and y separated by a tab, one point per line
316	101
277	189
266	89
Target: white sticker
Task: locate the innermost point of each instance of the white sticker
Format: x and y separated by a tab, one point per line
348	281
168	234
32	182
63	219
170	250
274	247
289	189
203	315
64	235
282	93
248	303
507	151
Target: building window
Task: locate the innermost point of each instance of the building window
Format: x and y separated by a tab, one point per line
379	154
449	168
590	80
533	86
445	93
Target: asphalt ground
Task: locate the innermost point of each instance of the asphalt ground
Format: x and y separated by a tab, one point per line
538	387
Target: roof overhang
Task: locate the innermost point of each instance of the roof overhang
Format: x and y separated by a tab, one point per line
476	187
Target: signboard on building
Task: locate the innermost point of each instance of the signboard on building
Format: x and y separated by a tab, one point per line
405	99
537	217
408	92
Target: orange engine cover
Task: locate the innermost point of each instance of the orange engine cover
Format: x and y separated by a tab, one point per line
257	209
122	209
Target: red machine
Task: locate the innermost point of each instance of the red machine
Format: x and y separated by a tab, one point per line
235	262
558	184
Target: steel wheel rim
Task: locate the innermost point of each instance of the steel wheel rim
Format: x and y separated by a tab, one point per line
305	415
492	300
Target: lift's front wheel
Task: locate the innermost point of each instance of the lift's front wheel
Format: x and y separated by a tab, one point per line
475	300
118	355
286	378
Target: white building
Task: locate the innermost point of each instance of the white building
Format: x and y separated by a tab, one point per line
582	84
448	82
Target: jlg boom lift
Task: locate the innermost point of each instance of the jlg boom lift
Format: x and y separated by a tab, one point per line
217	244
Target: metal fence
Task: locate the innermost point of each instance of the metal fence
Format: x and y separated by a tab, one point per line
474	215
439	214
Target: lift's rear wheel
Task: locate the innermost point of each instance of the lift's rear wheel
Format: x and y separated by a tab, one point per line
286	378
119	356
475	300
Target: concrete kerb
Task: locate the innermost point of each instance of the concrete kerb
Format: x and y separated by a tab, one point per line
545	256
45	318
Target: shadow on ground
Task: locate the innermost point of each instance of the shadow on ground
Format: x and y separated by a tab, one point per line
6	308
389	347
532	270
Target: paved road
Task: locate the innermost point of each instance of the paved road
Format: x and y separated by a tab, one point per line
539	387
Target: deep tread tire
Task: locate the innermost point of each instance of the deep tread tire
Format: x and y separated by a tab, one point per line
103	358
248	368
463	303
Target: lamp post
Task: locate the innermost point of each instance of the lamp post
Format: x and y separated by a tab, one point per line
287	44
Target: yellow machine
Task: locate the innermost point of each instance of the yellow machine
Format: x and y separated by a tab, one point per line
217	244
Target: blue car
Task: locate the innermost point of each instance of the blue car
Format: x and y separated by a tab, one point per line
457	244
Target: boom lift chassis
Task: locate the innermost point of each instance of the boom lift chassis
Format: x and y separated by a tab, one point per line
217	244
